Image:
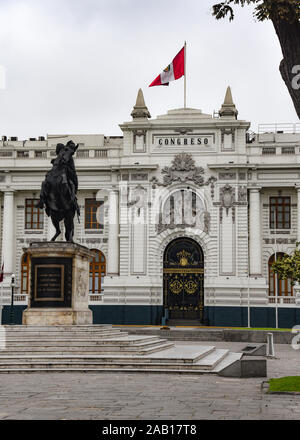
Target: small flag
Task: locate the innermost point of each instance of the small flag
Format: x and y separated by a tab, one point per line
173	71
2	273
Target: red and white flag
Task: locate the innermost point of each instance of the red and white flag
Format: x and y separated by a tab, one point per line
2	273
173	71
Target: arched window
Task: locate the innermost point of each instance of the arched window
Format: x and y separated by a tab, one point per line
284	287
97	272
25	273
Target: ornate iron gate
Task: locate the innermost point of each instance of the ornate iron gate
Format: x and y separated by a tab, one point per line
184	279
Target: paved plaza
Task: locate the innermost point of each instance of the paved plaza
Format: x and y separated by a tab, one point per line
150	396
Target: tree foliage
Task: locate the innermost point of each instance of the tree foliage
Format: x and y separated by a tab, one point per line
287	10
285	16
288	266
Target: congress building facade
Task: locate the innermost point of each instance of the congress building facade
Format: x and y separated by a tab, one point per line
185	214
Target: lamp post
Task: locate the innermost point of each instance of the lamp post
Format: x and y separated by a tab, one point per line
11	318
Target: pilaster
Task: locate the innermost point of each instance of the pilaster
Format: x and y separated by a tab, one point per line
255	252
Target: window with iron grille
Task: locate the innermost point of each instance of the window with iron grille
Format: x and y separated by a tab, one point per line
93	214
25	273
288	150
23	154
280	212
42	154
97	271
268	150
82	154
34	217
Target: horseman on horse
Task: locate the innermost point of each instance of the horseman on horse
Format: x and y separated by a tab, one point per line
58	192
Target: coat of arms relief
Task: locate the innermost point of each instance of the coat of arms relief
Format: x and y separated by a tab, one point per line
179	210
182	169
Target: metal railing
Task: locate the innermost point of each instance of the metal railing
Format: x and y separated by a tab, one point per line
279	128
282	299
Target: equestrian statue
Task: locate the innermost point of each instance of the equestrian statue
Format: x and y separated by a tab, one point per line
59	189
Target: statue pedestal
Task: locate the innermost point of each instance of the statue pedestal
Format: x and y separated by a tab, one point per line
59	284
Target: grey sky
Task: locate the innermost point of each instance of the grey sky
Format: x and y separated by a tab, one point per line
75	66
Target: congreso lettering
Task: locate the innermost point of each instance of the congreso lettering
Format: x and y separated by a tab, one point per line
183	141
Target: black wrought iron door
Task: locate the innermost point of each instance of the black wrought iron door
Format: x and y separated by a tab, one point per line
184	279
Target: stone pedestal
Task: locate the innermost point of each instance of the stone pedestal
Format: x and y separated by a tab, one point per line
59	284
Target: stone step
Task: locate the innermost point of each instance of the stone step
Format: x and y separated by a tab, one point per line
101	345
99	365
207	362
212	360
228	360
103	370
58	330
64	335
58	327
141	349
60	342
187	355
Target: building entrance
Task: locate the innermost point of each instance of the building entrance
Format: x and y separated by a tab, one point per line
183	275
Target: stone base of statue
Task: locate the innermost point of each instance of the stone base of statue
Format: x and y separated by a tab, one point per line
59	284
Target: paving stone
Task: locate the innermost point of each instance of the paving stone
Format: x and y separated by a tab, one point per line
113	396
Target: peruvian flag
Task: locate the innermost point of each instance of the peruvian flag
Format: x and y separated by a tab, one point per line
2	273
173	71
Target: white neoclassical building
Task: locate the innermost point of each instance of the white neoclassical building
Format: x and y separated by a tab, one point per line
185	214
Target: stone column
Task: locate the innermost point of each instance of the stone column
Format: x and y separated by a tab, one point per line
298	214
8	241
113	233
255	254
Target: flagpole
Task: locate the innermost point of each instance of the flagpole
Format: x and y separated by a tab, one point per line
185	74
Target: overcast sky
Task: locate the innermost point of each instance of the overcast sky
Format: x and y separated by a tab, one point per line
75	66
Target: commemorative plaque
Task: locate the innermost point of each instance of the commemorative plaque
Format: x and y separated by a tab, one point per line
51	282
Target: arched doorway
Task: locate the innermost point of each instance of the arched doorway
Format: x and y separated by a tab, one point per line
184	280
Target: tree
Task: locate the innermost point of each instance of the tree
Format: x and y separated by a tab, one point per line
285	16
288	266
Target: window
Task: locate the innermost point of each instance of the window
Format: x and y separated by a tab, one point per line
97	272
284	287
34	217
82	154
40	154
25	273
93	214
280	212
23	154
268	150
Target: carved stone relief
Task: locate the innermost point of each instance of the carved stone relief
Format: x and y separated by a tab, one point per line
183	169
242	194
227	197
138	198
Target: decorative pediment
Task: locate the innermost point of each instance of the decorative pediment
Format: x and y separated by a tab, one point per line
182	169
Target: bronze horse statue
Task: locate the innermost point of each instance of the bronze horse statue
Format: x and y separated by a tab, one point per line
59	189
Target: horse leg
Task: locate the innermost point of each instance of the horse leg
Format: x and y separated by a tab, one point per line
69	225
55	222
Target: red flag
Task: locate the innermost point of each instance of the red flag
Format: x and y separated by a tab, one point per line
173	71
2	273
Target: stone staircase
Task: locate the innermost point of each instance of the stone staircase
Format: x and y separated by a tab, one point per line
101	348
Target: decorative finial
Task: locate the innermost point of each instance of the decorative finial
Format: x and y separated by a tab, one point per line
140	109
228	107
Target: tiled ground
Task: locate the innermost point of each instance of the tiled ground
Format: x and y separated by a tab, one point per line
150	396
